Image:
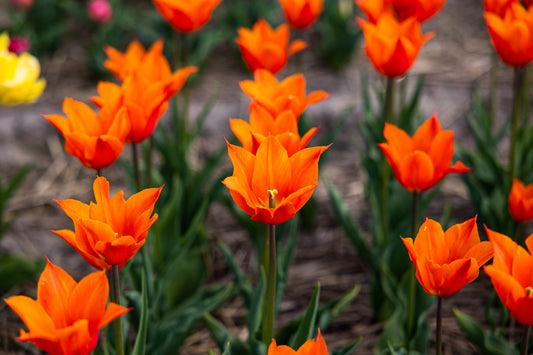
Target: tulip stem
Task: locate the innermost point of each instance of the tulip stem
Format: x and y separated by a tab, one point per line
389	100
185	89
439	326
412	284
270	294
525	340
493	90
149	161
117	323
518	84
136	171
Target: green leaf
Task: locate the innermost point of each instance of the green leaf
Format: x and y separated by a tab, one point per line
224	339
349	349
140	341
16	269
306	328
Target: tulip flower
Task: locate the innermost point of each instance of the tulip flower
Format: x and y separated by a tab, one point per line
498	7
422	161
22	4
18	45
19	76
67	315
186	15
271	175
262	124
301	14
521	201
421	10
97	140
144	97
393	45
265	48
447	261
277	97
111	230
312	346
100	11
511	273
123	64
512	34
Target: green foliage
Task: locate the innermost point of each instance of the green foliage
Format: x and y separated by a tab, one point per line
15	270
7	190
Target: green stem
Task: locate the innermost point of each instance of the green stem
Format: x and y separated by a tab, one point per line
136	170
525	340
518	83
149	161
412	283
493	90
185	89
526	93
439	326
117	323
270	295
519	232
389	100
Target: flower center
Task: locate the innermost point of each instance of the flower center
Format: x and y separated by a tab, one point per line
529	291
272	198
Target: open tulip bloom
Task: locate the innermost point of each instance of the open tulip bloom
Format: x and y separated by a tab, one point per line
422	161
123	64
67	315
310	347
447	261
511	273
112	230
272	173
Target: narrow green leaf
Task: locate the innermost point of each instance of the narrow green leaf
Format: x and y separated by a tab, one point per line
307	325
140	341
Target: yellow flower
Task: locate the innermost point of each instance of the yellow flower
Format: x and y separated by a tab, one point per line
19	76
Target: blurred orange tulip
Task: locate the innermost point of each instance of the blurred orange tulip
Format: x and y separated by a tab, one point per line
110	231
511	273
265	48
272	176
277	97
262	124
392	45
186	15
301	14
145	97
521	201
447	261
421	162
311	347
421	10
497	6
97	140
67	315
512	34
123	64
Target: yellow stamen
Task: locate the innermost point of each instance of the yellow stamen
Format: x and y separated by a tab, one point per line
272	198
529	291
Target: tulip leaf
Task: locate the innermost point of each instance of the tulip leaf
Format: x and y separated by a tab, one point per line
16	269
349	349
243	285
307	326
140	341
224	339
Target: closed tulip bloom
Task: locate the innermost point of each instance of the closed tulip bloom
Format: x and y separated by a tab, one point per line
521	201
421	10
262	124
19	76
109	231
272	174
511	273
420	162
186	15
447	261
311	347
512	34
67	315
97	140
393	45
278	96
263	47
301	14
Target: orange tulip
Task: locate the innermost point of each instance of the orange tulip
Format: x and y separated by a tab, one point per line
499	7
67	315
123	64
110	231
302	13
311	347
393	45
97	140
272	176
186	15
421	10
265	48
277	97
262	124
512	275
421	162
145	96
512	34
521	201
446	261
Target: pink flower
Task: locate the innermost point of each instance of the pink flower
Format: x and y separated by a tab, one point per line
100	11
22	4
18	45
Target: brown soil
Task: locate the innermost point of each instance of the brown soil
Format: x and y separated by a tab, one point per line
452	61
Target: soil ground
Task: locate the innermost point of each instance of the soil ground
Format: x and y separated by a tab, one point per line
453	61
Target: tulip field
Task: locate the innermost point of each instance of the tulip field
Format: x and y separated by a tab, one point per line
269	177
